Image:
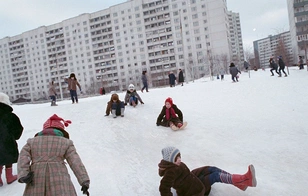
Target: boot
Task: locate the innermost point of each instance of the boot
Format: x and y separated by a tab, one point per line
10	178
122	112
285	75
183	125
248	179
1	182
114	115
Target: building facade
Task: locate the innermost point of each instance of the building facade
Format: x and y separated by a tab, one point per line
298	21
110	48
273	46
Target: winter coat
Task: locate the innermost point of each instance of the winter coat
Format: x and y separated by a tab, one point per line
281	64
10	131
273	64
180	178
181	76
144	79
45	155
132	94
52	90
109	105
72	84
172	79
161	119
234	71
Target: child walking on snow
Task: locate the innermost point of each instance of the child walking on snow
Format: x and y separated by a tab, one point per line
171	116
116	106
197	182
41	163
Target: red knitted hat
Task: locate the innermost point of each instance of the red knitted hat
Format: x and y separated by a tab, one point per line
169	100
56	122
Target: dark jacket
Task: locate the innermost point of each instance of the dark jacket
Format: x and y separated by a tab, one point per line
144	78
161	119
10	131
281	64
273	64
234	71
109	105
180	178
181	76
172	79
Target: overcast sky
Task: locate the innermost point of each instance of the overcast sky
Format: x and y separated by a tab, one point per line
259	18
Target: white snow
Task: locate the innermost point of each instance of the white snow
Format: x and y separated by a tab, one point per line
261	120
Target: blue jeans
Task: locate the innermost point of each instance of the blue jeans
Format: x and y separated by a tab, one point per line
74	95
145	86
53	98
133	98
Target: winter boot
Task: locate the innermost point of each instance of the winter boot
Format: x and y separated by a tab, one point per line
1	182
182	126
285	75
114	115
122	112
10	178
248	179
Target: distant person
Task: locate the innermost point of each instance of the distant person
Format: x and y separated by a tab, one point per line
171	116
246	65
234	71
144	81
42	166
222	74
301	62
181	77
172	79
281	66
102	91
115	106
72	86
175	174
273	66
52	93
10	131
132	97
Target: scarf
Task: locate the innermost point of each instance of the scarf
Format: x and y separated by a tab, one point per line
171	112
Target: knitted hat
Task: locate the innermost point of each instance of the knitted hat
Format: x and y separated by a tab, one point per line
56	122
4	98
170	153
169	100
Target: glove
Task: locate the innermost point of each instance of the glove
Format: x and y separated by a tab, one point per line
157	124
27	179
141	102
125	103
106	114
84	188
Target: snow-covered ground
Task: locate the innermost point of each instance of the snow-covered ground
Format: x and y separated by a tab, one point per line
260	120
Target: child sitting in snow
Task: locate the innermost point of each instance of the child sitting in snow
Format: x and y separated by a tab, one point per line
197	182
116	106
171	116
41	163
132	97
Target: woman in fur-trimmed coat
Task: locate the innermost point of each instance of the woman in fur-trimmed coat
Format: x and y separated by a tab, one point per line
41	163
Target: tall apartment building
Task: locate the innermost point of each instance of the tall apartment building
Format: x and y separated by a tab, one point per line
113	46
298	21
236	38
273	45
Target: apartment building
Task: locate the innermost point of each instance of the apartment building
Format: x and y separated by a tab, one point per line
110	48
273	45
236	39
298	21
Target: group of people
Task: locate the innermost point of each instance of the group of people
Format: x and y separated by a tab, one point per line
172	78
41	161
274	66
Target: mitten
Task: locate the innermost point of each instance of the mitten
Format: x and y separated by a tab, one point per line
85	187
27	179
141	102
157	124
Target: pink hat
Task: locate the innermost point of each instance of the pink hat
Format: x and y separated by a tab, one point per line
56	122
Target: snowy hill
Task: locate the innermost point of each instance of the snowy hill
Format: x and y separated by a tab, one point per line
260	120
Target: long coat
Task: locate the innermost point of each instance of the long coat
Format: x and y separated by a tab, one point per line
181	76
45	155
72	84
172	79
10	131
161	119
180	178
234	71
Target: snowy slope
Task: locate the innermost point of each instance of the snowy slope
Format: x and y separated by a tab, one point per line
260	120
